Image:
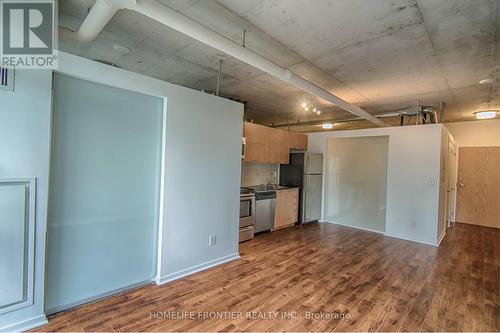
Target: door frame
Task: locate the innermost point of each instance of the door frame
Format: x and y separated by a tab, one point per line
451	207
79	68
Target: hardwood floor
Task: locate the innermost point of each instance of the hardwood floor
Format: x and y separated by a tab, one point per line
347	280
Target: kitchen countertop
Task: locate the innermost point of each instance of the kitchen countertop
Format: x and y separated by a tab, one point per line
264	188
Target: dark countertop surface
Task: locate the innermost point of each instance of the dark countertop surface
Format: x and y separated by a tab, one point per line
264	188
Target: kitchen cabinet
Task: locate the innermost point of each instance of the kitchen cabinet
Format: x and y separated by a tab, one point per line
270	145
297	141
287	208
255	133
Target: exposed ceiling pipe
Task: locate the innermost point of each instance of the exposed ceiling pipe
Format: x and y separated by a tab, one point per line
99	16
103	11
409	111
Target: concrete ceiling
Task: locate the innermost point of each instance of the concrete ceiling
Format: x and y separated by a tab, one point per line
382	55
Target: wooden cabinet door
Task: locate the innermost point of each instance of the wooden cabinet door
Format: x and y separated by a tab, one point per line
287	204
272	138
280	215
255	149
254	152
283	149
293	205
298	141
254	133
270	145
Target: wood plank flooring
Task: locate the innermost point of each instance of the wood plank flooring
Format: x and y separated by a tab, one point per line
320	277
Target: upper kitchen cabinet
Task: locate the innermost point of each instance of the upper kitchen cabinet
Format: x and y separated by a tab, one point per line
255	133
269	145
277	150
297	141
255	149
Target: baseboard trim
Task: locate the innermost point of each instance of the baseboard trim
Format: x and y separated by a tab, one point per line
101	296
441	238
384	233
411	240
25	324
195	269
350	226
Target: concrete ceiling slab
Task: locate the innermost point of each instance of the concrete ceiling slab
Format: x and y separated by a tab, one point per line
382	55
327	25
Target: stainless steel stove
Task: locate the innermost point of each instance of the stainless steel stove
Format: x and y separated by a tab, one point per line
247	214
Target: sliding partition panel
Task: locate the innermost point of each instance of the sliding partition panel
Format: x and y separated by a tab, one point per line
356	182
105	181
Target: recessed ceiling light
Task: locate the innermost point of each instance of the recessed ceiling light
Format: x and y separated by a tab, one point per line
487	114
487	81
327	126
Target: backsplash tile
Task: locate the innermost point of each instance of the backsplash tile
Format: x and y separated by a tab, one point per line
258	173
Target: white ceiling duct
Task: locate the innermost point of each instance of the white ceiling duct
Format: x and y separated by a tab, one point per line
103	11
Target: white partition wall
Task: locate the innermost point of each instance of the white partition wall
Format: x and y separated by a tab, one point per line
105	185
200	184
356	182
24	155
413	173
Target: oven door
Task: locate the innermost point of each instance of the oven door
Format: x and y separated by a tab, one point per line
247	211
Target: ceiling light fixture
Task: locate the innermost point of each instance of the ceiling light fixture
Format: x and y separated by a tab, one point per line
121	49
304	105
318	112
327	126
487	81
314	110
487	114
306	108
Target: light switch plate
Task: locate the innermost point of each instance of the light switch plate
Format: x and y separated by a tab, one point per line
212	240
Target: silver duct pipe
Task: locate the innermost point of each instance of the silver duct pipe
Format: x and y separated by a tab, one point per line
104	10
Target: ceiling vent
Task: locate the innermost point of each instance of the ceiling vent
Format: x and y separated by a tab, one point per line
6	79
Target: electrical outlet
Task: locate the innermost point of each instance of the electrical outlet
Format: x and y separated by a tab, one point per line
212	240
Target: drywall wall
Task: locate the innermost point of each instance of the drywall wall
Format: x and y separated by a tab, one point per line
413	175
24	153
477	133
202	168
200	181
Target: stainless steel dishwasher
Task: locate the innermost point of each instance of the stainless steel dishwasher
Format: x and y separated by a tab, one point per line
265	205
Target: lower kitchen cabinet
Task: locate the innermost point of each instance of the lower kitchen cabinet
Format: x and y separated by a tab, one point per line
287	208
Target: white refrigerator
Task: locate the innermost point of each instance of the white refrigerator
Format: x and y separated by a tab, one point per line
305	171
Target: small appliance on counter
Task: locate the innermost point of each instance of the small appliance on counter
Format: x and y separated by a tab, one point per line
305	171
247	214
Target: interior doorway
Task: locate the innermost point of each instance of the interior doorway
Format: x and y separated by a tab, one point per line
478	196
